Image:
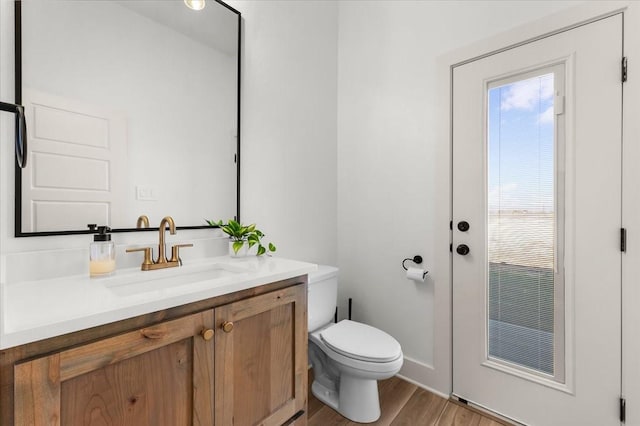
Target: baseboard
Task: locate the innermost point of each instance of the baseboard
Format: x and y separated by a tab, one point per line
420	374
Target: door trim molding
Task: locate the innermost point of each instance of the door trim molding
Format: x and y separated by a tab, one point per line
540	37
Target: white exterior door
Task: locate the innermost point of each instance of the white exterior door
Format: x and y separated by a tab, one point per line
537	266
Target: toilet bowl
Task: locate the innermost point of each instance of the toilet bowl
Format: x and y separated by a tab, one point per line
348	358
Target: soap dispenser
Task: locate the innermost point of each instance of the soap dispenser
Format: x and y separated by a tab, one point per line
102	253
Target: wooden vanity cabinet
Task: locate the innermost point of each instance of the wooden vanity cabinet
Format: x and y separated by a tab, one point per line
261	359
237	363
158	375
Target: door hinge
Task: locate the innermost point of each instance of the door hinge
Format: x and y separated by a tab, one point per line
623	409
624	69
623	240
235	158
451	247
451	225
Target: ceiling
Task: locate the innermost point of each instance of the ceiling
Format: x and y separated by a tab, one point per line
215	25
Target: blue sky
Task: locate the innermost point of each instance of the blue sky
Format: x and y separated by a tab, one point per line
521	151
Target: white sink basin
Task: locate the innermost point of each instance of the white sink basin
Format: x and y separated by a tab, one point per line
172	280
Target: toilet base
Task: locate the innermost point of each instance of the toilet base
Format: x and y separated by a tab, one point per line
327	396
357	400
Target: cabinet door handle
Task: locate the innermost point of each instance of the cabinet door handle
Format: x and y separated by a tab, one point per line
151	333
207	334
227	326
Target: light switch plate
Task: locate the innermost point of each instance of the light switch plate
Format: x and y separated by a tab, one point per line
146	193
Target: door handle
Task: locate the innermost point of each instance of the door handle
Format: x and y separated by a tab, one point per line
462	249
463	226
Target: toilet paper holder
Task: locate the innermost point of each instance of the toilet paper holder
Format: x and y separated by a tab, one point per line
417	259
415	274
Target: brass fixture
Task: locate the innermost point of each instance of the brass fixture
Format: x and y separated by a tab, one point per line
175	252
142	222
172	230
227	326
207	334
148	264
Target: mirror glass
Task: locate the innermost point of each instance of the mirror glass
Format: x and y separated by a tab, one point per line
132	109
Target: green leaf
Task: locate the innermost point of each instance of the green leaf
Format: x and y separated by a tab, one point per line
251	227
272	247
237	245
261	250
234	226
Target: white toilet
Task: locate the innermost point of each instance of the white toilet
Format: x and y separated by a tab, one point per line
348	358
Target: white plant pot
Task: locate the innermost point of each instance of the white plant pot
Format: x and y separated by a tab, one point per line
244	250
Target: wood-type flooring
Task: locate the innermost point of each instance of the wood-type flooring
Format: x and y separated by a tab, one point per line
403	403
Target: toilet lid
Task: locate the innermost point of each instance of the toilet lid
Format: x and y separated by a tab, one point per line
360	341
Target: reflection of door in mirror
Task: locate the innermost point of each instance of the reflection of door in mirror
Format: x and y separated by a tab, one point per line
74	148
154	75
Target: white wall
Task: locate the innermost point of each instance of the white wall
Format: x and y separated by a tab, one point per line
392	196
288	129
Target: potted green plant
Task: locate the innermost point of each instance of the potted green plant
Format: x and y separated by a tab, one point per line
243	237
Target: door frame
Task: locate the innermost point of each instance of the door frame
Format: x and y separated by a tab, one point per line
441	377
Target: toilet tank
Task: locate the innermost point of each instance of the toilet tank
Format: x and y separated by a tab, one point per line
323	296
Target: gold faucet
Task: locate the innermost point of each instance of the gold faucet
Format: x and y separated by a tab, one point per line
172	230
142	222
148	264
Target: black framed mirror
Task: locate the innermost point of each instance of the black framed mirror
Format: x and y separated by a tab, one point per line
132	109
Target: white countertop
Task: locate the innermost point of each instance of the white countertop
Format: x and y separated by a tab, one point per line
37	310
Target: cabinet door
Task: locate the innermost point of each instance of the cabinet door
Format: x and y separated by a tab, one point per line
261	358
159	375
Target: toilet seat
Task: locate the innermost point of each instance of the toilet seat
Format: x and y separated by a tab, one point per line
361	342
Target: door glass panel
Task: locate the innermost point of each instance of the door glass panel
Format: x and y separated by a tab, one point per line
523	218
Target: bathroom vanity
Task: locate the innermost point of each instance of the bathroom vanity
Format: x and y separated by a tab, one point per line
225	344
217	341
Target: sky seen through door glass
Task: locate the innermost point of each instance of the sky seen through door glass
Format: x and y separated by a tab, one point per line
521	146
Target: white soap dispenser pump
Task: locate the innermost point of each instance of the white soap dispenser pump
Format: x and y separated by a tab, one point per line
102	253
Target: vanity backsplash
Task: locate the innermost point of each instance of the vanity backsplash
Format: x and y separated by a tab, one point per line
56	263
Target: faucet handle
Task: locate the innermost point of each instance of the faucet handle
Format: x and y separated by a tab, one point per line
147	255
175	252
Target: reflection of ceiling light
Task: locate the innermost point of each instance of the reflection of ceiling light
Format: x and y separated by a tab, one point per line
195	4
